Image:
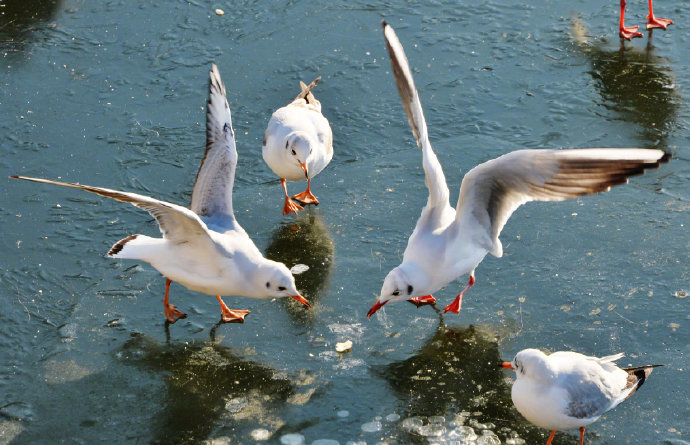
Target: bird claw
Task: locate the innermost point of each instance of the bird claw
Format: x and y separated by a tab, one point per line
455	306
630	32
422	301
233	315
173	314
291	207
654	22
306	197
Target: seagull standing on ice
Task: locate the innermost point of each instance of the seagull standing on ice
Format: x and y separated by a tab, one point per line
298	144
567	390
204	248
449	242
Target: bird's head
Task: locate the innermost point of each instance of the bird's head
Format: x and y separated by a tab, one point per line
402	283
298	146
529	363
276	281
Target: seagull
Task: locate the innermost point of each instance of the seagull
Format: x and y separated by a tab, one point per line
203	248
630	32
568	390
450	242
298	144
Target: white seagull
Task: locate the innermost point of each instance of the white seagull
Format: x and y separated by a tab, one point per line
567	390
450	242
204	249
298	144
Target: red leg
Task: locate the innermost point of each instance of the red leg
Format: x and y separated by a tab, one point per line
629	32
548	442
422	301
306	196
653	22
457	303
582	434
289	206
231	315
171	312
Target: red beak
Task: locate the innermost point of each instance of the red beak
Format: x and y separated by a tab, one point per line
507	365
301	299
378	305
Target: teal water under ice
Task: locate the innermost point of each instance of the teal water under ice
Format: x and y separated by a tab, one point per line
113	93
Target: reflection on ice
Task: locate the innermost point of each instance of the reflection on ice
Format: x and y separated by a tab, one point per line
304	241
453	390
210	389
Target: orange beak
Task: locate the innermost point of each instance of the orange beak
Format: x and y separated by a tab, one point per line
301	299
304	167
507	365
378	305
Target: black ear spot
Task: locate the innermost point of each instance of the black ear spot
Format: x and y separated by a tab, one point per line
286	144
409	289
268	284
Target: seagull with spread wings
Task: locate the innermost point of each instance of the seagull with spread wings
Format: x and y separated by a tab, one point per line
203	248
450	242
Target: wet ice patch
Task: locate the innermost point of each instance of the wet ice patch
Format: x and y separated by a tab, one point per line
56	371
371	427
354	330
292	439
236	405
260	434
325	442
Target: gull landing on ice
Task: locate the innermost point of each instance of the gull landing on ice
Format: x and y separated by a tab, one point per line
203	248
450	242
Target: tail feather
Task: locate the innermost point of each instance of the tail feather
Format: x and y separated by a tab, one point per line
637	376
306	93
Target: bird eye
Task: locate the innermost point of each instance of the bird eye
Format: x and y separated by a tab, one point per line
268	284
281	288
396	293
294	152
409	289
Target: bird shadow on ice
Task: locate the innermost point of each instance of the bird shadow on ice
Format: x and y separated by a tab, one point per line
635	85
209	390
305	240
21	23
452	388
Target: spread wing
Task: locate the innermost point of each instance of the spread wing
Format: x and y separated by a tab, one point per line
435	179
492	191
212	193
177	224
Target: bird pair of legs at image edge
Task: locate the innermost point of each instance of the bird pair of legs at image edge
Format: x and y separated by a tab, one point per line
630	32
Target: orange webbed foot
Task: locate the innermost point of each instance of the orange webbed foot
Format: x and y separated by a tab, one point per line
233	315
306	197
630	32
654	22
291	207
422	301
172	313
